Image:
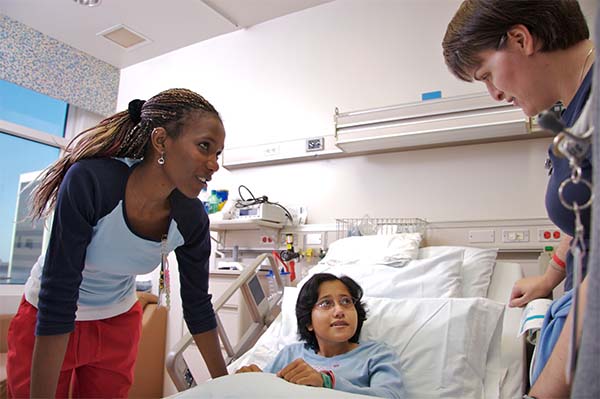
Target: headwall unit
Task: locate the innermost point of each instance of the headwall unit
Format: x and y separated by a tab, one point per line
462	119
459	120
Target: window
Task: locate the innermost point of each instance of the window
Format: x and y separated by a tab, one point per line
28	108
32	128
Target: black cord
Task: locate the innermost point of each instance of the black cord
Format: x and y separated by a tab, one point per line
242	202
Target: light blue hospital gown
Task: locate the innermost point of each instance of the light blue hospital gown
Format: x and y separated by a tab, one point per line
369	369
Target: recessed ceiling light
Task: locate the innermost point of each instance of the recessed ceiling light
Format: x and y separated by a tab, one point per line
89	3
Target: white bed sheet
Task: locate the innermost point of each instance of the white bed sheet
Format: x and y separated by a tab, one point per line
506	369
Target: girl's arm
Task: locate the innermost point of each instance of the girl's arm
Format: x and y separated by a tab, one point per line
385	380
301	373
251	368
383	372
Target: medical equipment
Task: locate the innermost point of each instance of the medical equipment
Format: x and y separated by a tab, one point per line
261	211
259	208
261	311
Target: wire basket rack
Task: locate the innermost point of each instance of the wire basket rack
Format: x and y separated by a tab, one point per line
366	226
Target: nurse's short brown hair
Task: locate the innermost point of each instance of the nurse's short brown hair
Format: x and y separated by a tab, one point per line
481	25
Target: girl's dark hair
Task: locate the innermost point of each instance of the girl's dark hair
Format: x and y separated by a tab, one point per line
125	134
308	297
480	25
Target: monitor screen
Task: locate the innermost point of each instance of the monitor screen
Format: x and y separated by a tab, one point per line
256	289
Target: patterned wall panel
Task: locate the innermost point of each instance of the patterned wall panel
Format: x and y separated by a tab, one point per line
36	61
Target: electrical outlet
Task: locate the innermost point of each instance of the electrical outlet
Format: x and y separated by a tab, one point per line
515	236
266	239
547	235
315	144
481	236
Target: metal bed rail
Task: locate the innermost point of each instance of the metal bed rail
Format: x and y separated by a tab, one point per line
262	315
366	225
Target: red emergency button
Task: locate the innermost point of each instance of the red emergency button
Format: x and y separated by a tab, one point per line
556	235
547	235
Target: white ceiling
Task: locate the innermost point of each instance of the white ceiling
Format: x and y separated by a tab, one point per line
169	24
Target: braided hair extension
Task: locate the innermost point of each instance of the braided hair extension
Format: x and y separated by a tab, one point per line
125	134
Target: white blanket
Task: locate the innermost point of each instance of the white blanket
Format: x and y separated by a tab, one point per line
260	385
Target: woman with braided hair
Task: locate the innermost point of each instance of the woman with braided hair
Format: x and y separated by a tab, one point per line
124	195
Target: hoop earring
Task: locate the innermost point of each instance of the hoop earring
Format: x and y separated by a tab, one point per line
161	160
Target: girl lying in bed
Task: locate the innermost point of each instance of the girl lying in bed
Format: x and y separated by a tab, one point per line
330	316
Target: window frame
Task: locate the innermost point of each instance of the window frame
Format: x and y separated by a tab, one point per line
35	135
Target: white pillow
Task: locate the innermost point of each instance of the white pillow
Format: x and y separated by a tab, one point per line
477	266
443	343
434	277
391	250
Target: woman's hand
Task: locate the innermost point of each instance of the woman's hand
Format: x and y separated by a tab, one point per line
251	368
299	372
527	289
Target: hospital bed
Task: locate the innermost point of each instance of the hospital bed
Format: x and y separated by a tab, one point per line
442	309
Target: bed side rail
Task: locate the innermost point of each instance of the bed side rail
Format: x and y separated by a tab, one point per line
262	314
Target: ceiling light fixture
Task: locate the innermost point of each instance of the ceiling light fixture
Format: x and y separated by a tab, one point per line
89	3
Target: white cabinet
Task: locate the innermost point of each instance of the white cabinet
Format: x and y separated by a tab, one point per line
234	315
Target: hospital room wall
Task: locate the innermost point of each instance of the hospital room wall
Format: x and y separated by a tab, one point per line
282	79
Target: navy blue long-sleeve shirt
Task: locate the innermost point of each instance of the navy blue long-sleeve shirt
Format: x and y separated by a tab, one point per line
88	271
562	217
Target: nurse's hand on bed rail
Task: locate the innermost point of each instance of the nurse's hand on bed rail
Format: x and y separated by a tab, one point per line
301	373
527	289
251	368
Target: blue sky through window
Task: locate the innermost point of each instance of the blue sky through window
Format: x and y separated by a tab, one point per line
28	108
37	111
